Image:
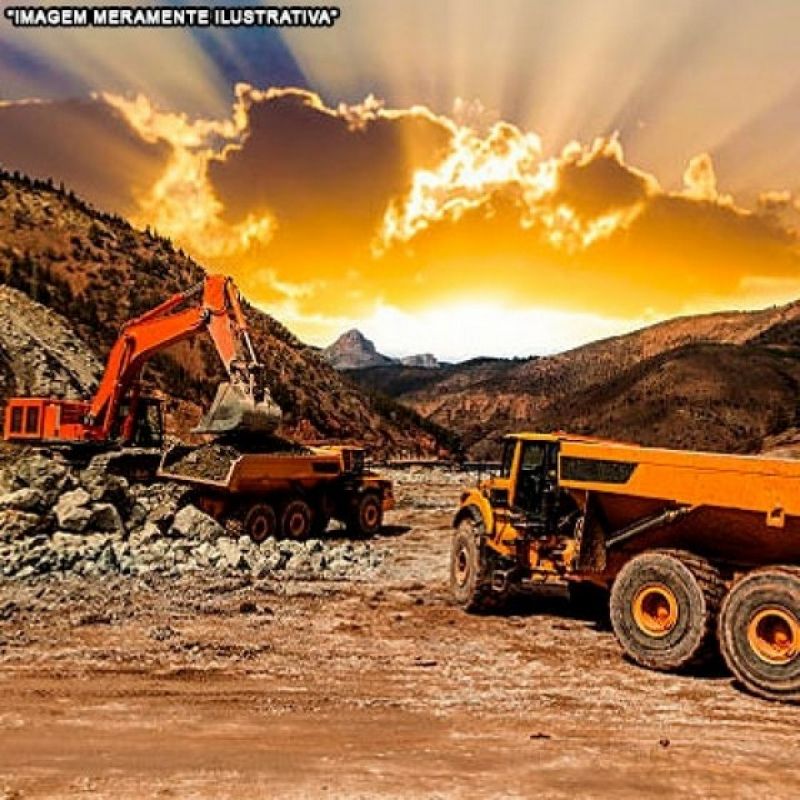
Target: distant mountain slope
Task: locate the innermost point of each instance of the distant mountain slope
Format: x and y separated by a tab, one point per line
718	381
98	272
723	397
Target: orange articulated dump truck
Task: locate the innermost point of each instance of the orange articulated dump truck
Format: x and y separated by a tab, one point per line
700	551
294	493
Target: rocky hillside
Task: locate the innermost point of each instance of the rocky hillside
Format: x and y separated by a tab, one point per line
724	381
40	354
98	272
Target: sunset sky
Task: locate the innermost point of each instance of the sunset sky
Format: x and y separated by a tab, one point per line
449	176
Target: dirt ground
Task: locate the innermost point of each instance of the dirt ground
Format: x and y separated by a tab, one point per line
234	688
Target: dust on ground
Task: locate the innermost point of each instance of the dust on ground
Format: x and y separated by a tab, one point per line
232	686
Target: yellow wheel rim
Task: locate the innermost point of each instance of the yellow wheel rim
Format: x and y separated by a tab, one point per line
461	569
655	609
370	515
774	635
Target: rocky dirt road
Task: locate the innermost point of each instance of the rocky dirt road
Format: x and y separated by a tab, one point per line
372	685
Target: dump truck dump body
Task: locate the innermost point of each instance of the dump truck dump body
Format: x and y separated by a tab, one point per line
741	509
695	548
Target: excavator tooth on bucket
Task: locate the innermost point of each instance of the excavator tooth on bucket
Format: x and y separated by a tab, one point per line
235	410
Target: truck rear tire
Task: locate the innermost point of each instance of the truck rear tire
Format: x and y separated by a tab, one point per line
296	520
260	522
664	607
470	580
366	517
759	633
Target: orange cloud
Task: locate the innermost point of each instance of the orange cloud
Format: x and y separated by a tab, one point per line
328	213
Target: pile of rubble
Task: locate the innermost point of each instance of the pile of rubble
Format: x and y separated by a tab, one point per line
55	518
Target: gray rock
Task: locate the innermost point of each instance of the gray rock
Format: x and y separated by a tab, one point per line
16	524
71	511
105	488
191	523
39	471
269	563
231	554
106	517
138	514
25	499
300	564
163	515
106	560
144	536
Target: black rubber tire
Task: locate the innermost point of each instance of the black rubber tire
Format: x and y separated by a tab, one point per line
776	591
697	590
366	515
470	576
296	520
260	522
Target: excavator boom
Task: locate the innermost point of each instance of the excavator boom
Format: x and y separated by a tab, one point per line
242	404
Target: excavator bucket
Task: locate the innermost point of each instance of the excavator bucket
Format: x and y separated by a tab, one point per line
234	410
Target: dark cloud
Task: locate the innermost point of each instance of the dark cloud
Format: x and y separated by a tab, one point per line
320	173
85	144
595	187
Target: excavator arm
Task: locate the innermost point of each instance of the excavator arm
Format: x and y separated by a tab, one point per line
242	403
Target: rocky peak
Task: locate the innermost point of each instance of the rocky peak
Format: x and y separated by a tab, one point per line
352	350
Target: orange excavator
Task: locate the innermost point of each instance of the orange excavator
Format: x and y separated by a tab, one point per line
119	414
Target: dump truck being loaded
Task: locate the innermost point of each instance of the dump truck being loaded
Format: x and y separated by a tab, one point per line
700	551
272	487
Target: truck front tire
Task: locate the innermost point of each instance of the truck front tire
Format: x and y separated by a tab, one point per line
759	633
366	517
470	581
664	607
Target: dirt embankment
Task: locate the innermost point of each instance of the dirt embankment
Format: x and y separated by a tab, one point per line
40	354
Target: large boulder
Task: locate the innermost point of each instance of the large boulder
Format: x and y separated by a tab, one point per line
191	523
25	499
71	511
39	471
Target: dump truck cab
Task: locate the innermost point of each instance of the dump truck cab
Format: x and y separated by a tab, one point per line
521	519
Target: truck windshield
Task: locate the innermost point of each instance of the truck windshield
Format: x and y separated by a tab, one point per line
508	458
